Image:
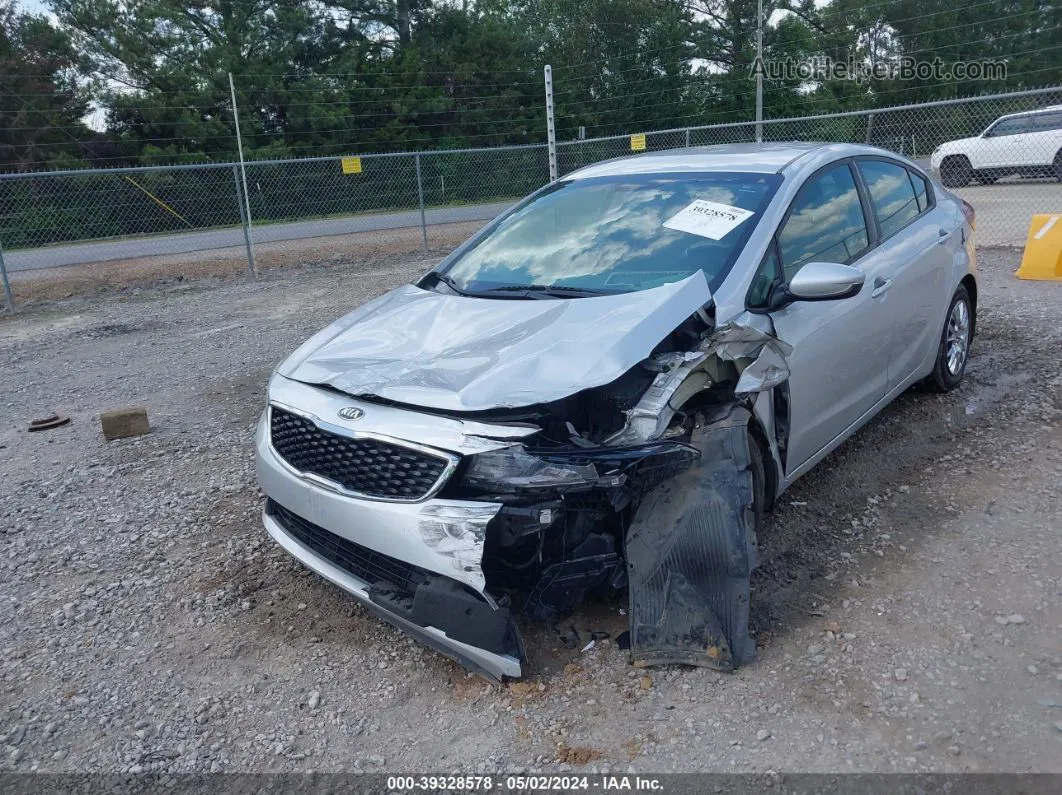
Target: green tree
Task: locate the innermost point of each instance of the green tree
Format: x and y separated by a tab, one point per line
618	65
41	106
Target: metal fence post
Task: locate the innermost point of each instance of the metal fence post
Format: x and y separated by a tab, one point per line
551	130
243	174
687	137
870	126
759	71
420	198
8	298
245	220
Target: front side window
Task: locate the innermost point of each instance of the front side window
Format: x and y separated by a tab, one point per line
1014	126
766	275
825	224
619	233
891	194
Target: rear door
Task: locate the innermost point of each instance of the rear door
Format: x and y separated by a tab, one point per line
915	249
1045	139
838	367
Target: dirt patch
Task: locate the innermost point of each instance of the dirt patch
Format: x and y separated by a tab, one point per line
576	755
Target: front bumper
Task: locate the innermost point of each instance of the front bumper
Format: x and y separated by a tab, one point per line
403	532
489	664
935	160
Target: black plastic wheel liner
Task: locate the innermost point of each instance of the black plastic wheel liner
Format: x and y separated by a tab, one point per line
691	548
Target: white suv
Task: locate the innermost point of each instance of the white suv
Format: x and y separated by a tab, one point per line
1028	144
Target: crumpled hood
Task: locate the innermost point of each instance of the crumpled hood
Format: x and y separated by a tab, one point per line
458	353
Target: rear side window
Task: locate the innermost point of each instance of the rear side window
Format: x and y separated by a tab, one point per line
921	193
891	194
1047	121
825	224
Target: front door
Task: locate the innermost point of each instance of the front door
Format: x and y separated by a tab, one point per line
839	364
1003	144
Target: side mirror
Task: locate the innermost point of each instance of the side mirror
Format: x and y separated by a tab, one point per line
825	281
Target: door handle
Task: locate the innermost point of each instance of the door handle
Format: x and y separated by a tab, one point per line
943	235
881	286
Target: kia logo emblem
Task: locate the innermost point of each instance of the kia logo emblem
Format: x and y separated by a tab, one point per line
351	413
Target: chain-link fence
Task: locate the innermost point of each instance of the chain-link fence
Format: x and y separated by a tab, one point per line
53	219
1003	154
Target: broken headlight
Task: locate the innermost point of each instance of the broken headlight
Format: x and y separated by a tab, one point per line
513	467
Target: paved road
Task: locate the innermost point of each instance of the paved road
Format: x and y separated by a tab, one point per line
1003	214
1004	210
103	250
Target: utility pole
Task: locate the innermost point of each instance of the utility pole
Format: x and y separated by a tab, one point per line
8	298
759	71
243	174
551	130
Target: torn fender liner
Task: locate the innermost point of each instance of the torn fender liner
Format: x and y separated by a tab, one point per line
690	551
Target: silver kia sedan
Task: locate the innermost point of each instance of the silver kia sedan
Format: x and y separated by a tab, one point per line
605	388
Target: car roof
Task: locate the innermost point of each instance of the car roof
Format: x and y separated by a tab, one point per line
1032	112
755	158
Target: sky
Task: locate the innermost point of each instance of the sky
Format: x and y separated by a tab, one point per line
33	6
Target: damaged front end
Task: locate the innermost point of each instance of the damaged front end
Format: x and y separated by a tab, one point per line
646	483
446	501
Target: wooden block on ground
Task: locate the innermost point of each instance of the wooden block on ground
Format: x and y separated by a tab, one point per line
121	423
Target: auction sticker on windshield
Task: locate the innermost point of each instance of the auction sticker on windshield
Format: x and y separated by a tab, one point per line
708	219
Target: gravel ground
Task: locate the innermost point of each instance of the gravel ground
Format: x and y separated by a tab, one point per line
908	607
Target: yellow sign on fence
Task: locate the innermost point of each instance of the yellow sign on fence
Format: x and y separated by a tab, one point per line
638	142
351	165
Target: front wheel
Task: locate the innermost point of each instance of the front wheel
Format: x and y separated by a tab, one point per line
954	347
758	465
955	172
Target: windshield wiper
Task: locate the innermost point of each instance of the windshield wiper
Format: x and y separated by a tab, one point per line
556	291
444	279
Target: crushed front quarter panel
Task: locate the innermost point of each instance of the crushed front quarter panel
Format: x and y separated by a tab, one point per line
455	353
769	356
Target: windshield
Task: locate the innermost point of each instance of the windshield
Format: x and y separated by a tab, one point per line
618	234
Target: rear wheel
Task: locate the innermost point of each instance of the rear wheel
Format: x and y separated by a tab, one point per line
1056	166
954	347
955	171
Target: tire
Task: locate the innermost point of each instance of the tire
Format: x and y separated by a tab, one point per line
953	350
955	171
1056	166
987	179
759	480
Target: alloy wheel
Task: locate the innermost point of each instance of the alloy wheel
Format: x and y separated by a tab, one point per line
958	339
